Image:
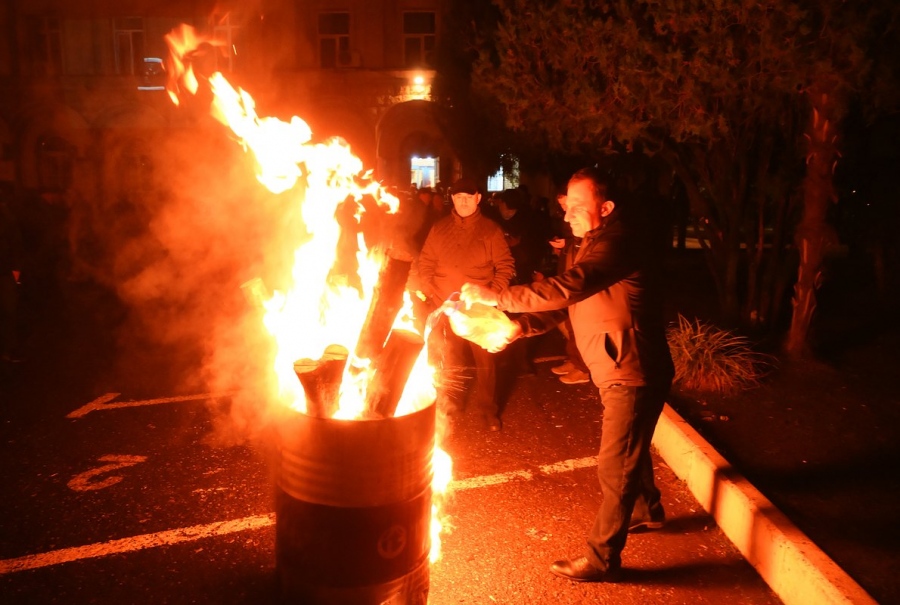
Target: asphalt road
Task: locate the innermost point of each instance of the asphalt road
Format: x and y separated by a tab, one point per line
153	501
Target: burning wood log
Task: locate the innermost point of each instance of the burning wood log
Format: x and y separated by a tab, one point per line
387	300
321	380
394	365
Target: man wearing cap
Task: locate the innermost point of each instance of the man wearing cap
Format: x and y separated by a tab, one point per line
463	247
611	291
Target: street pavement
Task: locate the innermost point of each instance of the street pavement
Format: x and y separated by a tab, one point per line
121	488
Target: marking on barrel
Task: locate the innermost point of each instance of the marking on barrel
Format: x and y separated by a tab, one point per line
221	528
100	403
392	542
82	481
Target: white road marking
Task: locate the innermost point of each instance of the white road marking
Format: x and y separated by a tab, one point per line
82	481
548	469
221	528
123	545
100	403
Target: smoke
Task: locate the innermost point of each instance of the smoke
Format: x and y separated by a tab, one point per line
179	223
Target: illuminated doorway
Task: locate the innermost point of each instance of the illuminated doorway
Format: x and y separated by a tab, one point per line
424	172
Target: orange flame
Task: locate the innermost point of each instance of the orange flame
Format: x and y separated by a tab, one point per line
315	311
443	473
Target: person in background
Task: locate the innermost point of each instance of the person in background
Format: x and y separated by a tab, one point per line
10	275
523	233
573	370
463	247
407	230
439	206
611	289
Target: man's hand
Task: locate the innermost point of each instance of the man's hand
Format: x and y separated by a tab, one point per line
473	293
499	341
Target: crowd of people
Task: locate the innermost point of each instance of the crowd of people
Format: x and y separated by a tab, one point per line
581	264
449	237
585	265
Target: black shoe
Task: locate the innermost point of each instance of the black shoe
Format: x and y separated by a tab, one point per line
642	525
581	570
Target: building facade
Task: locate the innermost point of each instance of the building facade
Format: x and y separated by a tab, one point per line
83	94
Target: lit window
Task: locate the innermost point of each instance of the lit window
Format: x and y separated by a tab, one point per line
424	172
505	179
153	75
419	39
226	34
334	40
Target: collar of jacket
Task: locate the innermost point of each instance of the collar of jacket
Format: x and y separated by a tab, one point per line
611	221
465	221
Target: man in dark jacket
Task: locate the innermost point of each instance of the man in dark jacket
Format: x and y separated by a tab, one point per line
463	247
611	291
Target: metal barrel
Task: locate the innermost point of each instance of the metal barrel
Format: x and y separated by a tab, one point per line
353	509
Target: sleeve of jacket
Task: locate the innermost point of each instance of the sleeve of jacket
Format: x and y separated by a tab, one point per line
504	263
533	324
604	263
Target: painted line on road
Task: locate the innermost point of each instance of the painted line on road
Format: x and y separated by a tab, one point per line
221	528
100	403
134	543
525	475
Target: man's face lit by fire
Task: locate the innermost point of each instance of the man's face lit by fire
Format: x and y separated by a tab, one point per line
584	210
466	203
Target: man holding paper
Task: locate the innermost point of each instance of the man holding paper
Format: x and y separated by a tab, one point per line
610	290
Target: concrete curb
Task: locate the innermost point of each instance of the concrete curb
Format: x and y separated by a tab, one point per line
790	563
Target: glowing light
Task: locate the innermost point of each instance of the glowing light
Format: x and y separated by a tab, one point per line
443	473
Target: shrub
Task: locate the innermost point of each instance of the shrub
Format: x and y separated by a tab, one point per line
708	358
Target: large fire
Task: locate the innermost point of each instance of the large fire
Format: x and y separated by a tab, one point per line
318	311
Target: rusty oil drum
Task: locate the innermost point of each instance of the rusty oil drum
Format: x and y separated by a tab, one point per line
353	509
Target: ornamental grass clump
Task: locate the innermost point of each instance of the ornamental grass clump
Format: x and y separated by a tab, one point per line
710	359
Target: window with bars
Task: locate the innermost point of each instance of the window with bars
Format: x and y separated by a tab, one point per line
44	42
334	40
227	33
128	37
419	39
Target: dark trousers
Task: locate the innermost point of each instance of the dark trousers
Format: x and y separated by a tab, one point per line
624	468
454	353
